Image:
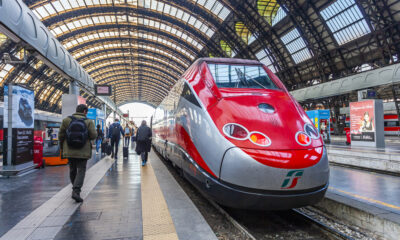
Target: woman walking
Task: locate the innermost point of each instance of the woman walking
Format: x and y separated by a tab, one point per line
128	134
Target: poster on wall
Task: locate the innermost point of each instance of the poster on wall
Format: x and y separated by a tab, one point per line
22	124
362	121
81	100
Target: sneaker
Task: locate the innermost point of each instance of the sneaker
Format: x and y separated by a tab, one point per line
112	155
76	197
143	163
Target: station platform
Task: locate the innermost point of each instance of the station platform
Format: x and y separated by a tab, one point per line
122	200
385	160
365	199
375	189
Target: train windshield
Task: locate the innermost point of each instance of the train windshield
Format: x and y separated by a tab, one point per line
241	76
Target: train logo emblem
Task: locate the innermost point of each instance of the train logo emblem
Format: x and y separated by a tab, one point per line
291	179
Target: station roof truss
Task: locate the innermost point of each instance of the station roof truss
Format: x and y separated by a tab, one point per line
141	47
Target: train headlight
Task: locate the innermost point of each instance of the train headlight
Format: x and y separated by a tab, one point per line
260	139
303	139
235	131
311	131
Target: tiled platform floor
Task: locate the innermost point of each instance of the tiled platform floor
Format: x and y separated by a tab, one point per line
379	190
19	196
113	206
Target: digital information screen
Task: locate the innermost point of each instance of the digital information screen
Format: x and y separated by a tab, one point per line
102	90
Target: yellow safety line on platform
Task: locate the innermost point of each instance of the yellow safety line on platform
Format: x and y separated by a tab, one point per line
367	199
157	221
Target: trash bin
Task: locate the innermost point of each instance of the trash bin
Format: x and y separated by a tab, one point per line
38	152
348	137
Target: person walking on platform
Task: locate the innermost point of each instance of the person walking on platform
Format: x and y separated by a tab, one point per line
114	133
128	134
99	139
75	135
143	141
133	138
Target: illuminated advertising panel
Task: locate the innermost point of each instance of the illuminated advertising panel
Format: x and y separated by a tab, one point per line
22	124
362	121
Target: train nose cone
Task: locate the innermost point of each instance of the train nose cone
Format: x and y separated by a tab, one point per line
265	107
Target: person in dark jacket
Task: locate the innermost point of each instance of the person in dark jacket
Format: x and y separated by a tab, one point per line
77	157
115	132
99	138
143	141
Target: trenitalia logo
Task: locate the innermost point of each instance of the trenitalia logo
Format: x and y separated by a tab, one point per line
291	179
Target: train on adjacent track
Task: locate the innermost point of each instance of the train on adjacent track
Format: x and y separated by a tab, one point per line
236	133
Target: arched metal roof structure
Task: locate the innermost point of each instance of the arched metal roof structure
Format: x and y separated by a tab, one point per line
141	47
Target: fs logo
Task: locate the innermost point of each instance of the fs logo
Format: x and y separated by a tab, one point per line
291	179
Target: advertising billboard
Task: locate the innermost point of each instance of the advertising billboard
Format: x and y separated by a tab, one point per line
23	107
22	124
362	121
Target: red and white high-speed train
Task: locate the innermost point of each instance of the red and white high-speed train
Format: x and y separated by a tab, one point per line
240	137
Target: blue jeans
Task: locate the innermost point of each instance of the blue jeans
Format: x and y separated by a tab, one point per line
98	144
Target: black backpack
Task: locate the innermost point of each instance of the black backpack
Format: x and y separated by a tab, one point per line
77	133
115	131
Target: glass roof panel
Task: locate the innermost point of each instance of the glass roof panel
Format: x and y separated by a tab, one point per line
5	69
63	29
97	36
244	33
271	11
3	38
345	21
265	57
111	46
296	46
226	48
48	10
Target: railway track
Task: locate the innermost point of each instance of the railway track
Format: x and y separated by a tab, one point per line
256	225
332	232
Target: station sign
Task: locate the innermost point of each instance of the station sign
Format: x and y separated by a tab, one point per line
102	90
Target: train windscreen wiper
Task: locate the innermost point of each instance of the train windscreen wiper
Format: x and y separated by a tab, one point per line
244	77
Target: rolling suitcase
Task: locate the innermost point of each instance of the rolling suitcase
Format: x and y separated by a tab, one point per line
125	152
108	149
103	147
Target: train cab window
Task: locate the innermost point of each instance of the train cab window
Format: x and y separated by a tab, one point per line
188	95
241	76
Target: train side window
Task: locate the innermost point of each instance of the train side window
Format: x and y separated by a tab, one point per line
188	95
391	123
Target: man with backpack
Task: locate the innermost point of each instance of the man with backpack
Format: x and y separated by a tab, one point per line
75	135
114	133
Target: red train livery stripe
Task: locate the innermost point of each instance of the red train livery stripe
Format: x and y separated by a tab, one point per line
185	142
